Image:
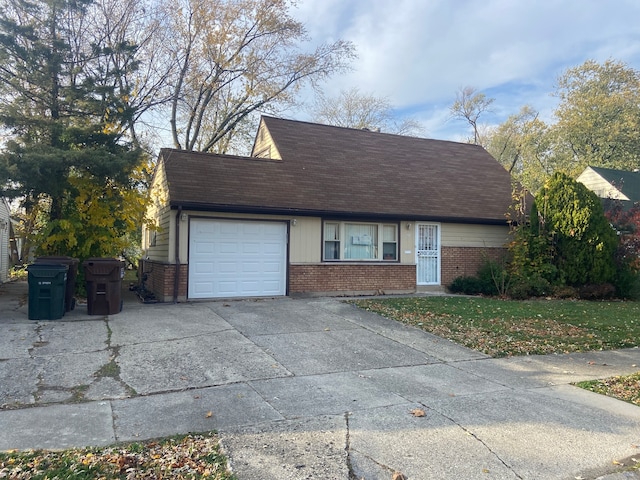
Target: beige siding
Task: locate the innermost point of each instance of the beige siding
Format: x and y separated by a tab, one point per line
594	182
407	242
453	235
306	240
305	237
160	250
462	235
264	146
159	214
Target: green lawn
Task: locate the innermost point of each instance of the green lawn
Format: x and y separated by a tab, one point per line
505	327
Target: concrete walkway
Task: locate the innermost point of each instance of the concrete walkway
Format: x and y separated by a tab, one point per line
307	389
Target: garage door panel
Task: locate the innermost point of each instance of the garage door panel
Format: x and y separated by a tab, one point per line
272	267
270	287
228	227
250	287
204	268
202	288
251	267
205	247
271	248
226	288
227	248
230	258
226	268
251	248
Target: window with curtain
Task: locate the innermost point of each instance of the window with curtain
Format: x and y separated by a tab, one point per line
354	241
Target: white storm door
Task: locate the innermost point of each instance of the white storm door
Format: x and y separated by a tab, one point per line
232	258
428	254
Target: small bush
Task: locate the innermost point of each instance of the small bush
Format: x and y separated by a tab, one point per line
494	278
564	291
466	285
627	283
523	287
598	291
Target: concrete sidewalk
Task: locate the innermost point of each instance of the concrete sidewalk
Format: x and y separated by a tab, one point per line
307	388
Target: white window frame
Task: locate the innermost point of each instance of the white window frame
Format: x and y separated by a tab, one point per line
339	239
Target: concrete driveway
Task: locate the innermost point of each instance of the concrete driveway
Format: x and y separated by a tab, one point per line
307	388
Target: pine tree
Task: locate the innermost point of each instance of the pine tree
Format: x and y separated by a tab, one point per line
63	110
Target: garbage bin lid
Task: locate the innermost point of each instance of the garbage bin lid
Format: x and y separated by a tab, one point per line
45	270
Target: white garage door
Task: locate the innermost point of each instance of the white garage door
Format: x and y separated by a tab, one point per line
229	258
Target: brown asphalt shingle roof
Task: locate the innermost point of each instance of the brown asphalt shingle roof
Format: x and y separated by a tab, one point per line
328	170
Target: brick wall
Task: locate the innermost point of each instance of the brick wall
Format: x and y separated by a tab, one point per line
160	278
348	279
465	261
352	279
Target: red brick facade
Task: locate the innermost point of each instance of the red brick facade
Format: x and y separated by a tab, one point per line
465	261
352	278
159	278
346	278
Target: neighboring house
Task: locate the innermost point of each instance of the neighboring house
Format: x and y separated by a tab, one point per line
613	184
5	252
325	210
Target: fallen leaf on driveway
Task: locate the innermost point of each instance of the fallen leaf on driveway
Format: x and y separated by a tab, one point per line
418	412
398	476
209	415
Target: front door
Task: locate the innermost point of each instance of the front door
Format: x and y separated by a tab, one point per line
428	254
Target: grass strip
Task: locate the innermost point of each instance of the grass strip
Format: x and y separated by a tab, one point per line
179	457
622	387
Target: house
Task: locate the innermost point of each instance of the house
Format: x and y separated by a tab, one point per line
613	184
319	209
5	252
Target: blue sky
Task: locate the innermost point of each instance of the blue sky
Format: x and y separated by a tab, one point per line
418	53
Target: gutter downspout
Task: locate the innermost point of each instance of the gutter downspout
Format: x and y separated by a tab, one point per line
176	277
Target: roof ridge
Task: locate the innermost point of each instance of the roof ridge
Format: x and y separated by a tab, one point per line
179	151
365	130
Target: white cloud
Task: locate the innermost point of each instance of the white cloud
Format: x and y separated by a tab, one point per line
418	53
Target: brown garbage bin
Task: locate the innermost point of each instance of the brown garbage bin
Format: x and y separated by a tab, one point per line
103	277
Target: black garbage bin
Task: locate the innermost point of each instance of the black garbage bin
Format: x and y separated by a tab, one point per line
103	277
72	274
47	286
